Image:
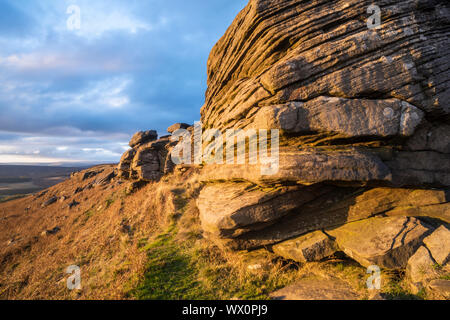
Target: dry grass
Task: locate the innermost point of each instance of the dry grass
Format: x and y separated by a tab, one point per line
101	235
145	245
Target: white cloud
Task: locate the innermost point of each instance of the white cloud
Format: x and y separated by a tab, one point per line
99	18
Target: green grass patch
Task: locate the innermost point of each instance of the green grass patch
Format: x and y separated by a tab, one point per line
170	273
188	269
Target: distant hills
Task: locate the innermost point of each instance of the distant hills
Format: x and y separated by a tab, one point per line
17	180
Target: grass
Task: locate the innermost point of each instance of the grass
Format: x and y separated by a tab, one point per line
198	271
183	265
395	287
4	199
169	272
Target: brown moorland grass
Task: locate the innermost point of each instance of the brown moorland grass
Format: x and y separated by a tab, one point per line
100	235
142	245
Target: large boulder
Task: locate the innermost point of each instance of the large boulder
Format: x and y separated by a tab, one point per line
148	163
283	51
385	242
142	137
348	117
178	126
228	210
147	160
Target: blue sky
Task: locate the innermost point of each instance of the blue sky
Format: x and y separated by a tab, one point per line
73	95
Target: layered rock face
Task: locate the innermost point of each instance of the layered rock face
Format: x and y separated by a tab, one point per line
364	120
356	106
316	71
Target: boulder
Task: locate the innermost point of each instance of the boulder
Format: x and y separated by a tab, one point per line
313	246
142	137
228	210
146	165
279	52
385	242
439	245
105	179
145	162
73	204
125	163
420	269
90	174
316	288
50	201
348	117
177	126
53	231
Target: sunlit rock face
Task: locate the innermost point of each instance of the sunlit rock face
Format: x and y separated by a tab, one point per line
363	114
315	70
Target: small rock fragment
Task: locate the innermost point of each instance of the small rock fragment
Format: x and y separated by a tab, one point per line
439	245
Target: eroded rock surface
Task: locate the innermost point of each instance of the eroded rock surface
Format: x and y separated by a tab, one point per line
313	246
318	73
439	245
148	159
420	269
230	209
142	137
385	242
364	123
316	289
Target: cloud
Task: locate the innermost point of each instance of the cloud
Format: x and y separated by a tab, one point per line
134	65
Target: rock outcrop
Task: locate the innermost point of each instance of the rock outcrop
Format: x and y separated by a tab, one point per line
363	117
318	73
148	159
385	242
142	137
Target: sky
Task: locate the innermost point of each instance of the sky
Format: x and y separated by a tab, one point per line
79	77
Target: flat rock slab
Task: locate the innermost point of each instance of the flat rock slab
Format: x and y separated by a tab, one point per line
313	246
316	289
439	245
305	167
385	242
350	117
